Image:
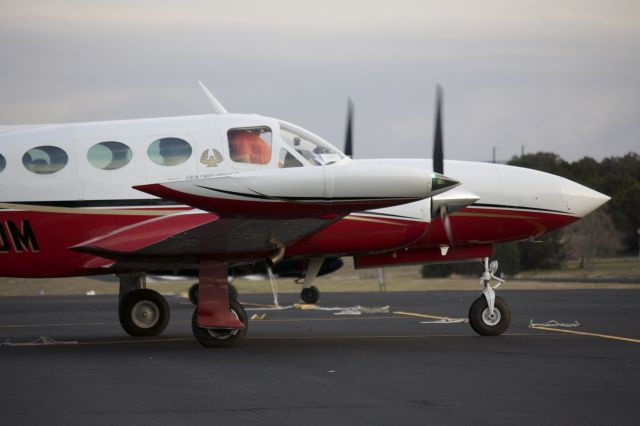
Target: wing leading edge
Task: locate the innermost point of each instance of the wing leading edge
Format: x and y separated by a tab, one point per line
247	217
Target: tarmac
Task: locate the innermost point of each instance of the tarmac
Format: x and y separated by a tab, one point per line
314	367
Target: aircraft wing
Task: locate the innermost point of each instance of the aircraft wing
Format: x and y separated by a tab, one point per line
248	216
183	238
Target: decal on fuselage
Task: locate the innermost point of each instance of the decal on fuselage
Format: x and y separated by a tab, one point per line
211	160
18	238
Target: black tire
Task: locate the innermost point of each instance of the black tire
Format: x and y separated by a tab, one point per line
194	293
310	294
233	292
221	338
143	312
481	322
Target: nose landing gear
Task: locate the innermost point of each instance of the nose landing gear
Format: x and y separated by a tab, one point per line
489	315
310	293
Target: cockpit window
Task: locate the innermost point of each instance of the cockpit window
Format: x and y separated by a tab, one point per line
286	159
169	151
250	145
45	160
3	163
314	150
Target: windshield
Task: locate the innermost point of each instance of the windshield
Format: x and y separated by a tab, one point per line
311	148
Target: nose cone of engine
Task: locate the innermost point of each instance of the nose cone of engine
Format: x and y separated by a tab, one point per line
441	183
582	200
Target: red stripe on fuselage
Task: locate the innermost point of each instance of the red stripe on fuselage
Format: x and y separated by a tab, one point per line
474	225
56	231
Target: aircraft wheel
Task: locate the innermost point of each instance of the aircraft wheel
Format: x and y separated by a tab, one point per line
221	338
310	294
194	292
483	322
143	312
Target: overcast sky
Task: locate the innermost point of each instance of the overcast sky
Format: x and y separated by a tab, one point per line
560	76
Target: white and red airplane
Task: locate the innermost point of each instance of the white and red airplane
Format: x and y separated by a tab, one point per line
210	192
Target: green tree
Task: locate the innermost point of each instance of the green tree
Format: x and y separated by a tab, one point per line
598	234
543	161
508	256
617	177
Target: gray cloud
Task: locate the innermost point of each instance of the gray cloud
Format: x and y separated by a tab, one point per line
560	76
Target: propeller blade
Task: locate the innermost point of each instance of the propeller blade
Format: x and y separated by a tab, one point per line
438	156
446	222
348	139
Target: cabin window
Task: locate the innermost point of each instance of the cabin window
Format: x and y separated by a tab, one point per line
109	155
3	163
45	160
169	151
250	145
286	159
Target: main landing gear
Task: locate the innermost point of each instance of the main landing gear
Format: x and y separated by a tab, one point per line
142	312
218	320
221	337
489	315
310	293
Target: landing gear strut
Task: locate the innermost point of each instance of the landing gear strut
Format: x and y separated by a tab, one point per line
142	312
489	315
218	320
310	293
194	292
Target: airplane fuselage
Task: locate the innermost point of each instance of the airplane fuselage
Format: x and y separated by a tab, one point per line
82	188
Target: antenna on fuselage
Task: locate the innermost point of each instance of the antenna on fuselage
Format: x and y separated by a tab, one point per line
217	106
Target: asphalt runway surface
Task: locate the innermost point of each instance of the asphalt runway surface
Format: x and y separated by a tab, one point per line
315	367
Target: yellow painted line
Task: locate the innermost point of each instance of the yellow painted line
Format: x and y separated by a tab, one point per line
258	305
413	314
582	333
341	318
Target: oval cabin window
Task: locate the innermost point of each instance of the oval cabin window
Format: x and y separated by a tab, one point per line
45	160
169	151
3	163
109	155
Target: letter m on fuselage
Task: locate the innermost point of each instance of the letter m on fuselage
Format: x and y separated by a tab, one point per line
20	238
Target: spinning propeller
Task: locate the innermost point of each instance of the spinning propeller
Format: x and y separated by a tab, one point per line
438	164
442	204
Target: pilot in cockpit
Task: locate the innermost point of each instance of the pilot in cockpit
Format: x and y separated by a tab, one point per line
246	146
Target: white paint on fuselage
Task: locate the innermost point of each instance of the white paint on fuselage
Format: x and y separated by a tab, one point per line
514	187
79	180
496	185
